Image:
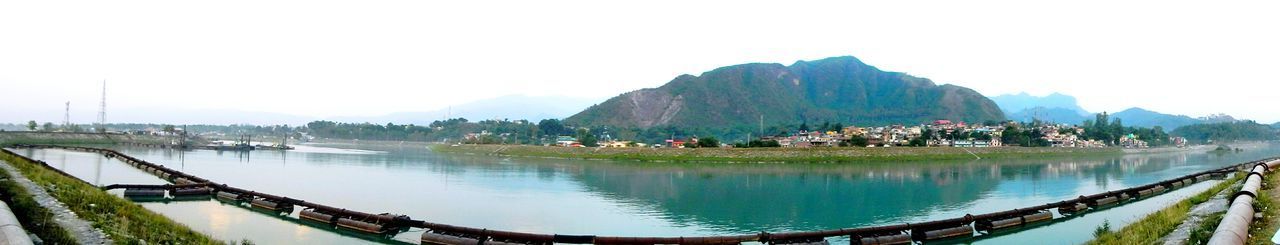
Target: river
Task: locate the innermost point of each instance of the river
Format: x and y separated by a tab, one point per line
626	198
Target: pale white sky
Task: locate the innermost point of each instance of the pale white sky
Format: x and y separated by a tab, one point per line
362	58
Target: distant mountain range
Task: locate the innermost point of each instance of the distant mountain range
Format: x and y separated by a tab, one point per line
513	107
1022	102
180	116
1061	108
840	89
1145	118
1054	114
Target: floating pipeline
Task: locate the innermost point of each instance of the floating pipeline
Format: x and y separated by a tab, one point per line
1014	222
906	233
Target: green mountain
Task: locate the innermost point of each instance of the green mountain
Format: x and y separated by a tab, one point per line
839	89
1226	132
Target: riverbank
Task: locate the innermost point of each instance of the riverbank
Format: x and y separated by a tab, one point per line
754	155
63	138
1153	227
70	225
34	217
122	221
1266	225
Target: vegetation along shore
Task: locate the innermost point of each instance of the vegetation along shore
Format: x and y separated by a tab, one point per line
816	154
122	221
1153	227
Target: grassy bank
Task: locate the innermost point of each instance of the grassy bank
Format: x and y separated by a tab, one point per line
34	218
1151	228
814	154
1262	229
39	138
123	221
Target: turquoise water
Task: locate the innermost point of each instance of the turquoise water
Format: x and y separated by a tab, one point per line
624	198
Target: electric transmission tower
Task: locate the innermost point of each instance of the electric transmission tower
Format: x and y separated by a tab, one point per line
102	110
66	118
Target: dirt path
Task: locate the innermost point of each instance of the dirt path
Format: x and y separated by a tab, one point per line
82	230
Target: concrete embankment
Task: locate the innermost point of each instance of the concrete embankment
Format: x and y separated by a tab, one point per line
83	231
111	219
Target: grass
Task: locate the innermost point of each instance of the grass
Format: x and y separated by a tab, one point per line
1202	233
1151	228
52	138
1261	231
1102	230
123	221
11	140
34	218
815	154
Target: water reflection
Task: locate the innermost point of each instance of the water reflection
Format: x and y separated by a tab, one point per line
631	198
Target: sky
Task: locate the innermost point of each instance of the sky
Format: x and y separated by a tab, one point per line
366	58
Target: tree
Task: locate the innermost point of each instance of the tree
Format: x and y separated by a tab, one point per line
858	141
708	142
760	143
169	128
1016	136
1226	132
47	127
928	134
690	144
918	142
587	138
551	127
31	125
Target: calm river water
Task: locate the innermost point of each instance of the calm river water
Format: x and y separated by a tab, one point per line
624	198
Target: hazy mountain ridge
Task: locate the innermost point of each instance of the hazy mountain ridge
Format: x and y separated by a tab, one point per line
1146	118
1014	103
1055	114
1062	108
839	89
513	107
178	116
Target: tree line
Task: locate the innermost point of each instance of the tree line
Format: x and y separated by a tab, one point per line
460	130
1226	132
